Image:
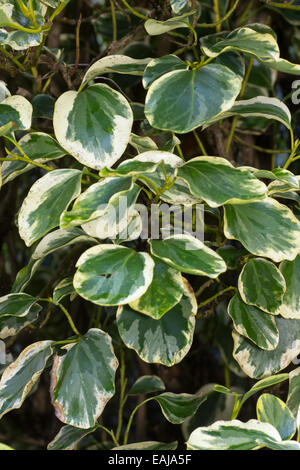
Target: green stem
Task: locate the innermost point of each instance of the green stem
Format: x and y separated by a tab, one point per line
260	149
31	13
12	58
131	419
218	294
217	13
123	383
217	23
58	10
234	123
294	147
114	19
144	178
110	433
282	5
180	153
66	313
134	12
23	157
199	142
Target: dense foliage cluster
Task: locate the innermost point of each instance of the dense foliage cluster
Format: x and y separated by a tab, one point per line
179	105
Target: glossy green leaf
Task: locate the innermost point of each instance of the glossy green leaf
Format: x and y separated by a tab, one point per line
147	384
93	125
164	292
233	185
92	203
59	239
272	410
257	363
179	192
254	324
18	110
68	438
133	229
46	200
260	106
178	407
115	64
19	377
261	284
149	445
235	435
63	289
10	325
160	66
293	401
165	341
43	106
25	274
275	232
83	380
132	167
181	100
189	255
264	383
113	275
20	40
155	27
18	304
290	307
142	144
256	39
37	146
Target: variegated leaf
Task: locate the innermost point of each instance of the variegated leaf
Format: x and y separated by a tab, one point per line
63	289
181	100
290	307
254	324
261	284
68	438
257	363
148	445
272	410
160	66
19	377
46	200
59	239
116	216
37	146
115	64
83	380
176	408
189	255
164	292
132	167
12	324
234	185
92	203
164	341
147	384
155	27
16	109
235	435
93	125
293	401
275	233
260	106
113	275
